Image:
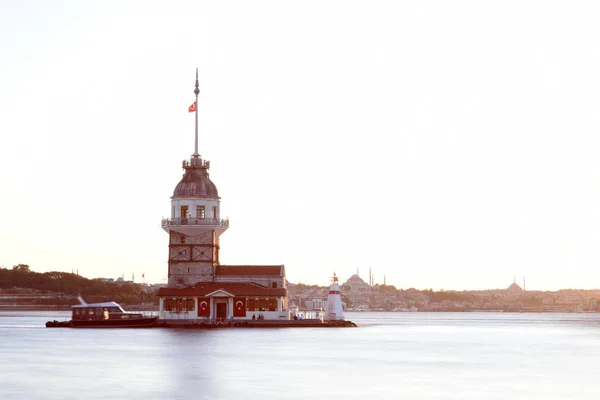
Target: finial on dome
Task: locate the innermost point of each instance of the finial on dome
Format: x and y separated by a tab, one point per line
197	92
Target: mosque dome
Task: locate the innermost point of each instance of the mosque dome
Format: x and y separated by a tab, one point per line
514	288
195	182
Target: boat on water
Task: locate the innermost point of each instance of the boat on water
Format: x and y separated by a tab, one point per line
103	315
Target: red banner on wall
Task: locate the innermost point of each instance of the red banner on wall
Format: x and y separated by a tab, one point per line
239	306
203	307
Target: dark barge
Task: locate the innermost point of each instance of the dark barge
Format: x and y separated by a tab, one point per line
103	315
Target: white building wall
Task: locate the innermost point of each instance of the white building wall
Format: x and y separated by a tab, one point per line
192	204
161	307
269	315
316	304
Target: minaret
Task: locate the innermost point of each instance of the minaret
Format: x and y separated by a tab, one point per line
195	224
334	301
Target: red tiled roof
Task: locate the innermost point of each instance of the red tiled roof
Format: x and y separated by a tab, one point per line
235	288
249	270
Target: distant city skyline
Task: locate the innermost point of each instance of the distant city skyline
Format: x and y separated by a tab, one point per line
444	145
142	279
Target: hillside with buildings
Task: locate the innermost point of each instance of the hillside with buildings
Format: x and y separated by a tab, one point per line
359	295
22	288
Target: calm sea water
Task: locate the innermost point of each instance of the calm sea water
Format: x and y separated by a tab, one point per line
390	356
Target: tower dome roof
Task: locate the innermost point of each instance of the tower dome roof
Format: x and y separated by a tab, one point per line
195	181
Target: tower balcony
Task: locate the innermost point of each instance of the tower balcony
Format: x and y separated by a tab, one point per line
195	162
191	225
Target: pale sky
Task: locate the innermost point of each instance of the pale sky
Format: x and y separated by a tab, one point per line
445	144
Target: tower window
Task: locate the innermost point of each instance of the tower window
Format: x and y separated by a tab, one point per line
272	304
214	212
263	304
200	212
274	285
184	211
191	304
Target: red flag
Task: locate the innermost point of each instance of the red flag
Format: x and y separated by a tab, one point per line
239	306
143	275
203	307
192	108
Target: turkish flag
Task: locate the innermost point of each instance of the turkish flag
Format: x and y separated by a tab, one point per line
192	108
239	306
203	307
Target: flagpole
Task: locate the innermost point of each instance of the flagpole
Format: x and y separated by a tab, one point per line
196	91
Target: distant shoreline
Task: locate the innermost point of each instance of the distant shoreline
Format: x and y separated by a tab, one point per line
146	307
67	307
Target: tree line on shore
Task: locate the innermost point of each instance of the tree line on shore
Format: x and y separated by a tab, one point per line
65	287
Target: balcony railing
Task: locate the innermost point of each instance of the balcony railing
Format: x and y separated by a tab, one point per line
195	162
194	221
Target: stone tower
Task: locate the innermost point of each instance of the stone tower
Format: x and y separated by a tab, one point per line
195	223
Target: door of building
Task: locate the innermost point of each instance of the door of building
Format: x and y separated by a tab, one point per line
221	310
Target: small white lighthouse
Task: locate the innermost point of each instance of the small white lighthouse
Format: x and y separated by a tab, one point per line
334	301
